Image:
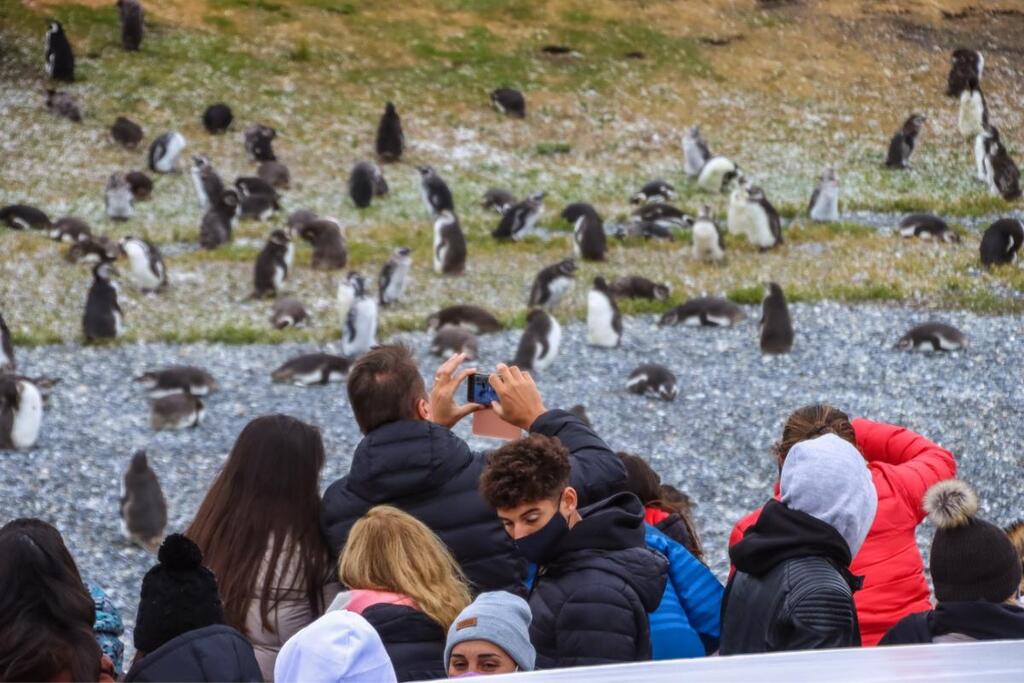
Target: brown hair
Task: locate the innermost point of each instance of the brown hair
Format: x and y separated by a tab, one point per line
390	550
645	484
384	386
811	422
530	469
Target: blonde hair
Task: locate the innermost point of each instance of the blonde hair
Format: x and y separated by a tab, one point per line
390	550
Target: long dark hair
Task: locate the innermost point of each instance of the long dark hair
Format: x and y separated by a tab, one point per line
645	484
263	505
47	611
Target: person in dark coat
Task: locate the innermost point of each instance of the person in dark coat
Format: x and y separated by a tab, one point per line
409	458
596	580
211	653
976	572
792	589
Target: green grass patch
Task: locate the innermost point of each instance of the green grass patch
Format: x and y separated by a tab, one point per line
807	231
746	296
547	149
301	52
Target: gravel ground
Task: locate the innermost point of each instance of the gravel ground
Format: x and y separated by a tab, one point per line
712	441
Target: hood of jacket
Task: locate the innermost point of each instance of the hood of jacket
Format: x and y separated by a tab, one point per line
339	646
212	653
978	620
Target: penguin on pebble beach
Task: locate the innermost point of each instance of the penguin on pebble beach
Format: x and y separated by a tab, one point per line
704	311
118	198
394	276
24	217
217	118
824	204
1001	241
143	506
551	284
451	340
604	321
330	251
390	138
178	379
273	264
933	336
637	287
903	142
60	58
164	152
288	312
176	411
126	133
7	362
539	343
312	369
359	316
132	24
654	380
145	264
695	152
776	324
434	191
927	226
520	219
473	318
103	318
449	245
708	240
21	413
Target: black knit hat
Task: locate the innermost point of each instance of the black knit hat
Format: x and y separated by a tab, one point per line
971	559
178	595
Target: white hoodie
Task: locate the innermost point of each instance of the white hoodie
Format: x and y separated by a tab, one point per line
339	646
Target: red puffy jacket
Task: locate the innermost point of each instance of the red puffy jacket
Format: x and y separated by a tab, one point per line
903	465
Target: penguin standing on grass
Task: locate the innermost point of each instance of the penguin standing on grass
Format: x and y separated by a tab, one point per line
967	66
259	141
366	182
776	324
394	276
717	174
1002	173
64	104
145	264
552	283
118	198
218	222
903	142
604	322
984	144
126	133
973	111
272	265
520	219
538	346
449	245
589	240
695	152
103	317
330	251
824	204
164	152
434	190
217	118
1001	242
390	138
131	24
275	174
60	58
143	506
708	241
205	181
509	101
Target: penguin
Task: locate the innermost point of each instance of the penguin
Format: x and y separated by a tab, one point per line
932	337
390	138
653	380
695	152
452	340
93	249
205	181
365	182
7	362
143	506
394	276
706	311
984	144
118	198
776	325
552	283
538	346
497	199
272	265
473	318
967	65
24	217
358	315
60	59
178	379
176	411
1003	174
126	133
312	369
132	19
288	312
275	174
449	245
927	226
901	147
572	212
218	221
824	204
973	111
580	411
1001	242
330	251
64	105
299	218
21	412
248	186
258	207
751	214
589	240
604	322
708	240
636	287
103	317
520	219
662	214
217	118
716	174
70	230
164	152
145	264
259	142
436	195
509	101
637	227
655	190
141	184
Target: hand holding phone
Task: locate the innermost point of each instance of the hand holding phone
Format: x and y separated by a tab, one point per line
519	401
443	409
487	422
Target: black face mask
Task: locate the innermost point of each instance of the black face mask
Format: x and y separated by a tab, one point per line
539	546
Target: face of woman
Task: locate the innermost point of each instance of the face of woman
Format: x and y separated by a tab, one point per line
479	657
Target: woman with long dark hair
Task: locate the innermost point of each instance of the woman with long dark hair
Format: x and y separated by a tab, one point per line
259	530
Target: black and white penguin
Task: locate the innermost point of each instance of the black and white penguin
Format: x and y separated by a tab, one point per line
705	311
552	283
253	185
967	65
716	175
141	184
901	146
538	346
927	226
312	369
451	340
1002	173
708	240
509	101
143	506
60	59
984	145
259	141
126	133
648	230
164	152
273	265
205	180
1001	241
695	152
103	317
21	412
449	245
520	219
589	240
359	316
24	217
572	212
176	411
178	379
604	322
973	111
932	337
394	276
118	198
436	195
217	118
64	104
258	207
146	267
824	204
776	325
655	190
473	318
70	230
497	199
288	312
218	222
653	380
275	174
365	182
752	215
636	287
93	249
299	218
664	215
7	362
330	252
390	138
132	21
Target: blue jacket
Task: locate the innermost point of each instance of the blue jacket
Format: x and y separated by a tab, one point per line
687	623
108	627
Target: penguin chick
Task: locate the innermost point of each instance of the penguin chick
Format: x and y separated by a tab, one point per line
272	265
275	174
901	147
449	245
589	241
708	240
824	204
143	506
604	321
63	104
164	152
539	343
218	222
330	252
390	138
695	152
24	217
705	311
7	362
927	226
126	133
141	184
70	229
473	318
776	325
118	198
176	411
497	199
217	118
932	337
103	318
717	174
520	219
132	24
434	191
259	142
366	182
636	287
655	190
452	340
394	276
1002	173
312	369
1001	242
653	380
552	283
288	312
145	264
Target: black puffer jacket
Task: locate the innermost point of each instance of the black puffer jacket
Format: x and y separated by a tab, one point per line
429	472
590	604
213	653
792	589
415	642
958	621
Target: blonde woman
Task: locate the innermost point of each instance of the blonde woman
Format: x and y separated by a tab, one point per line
406	584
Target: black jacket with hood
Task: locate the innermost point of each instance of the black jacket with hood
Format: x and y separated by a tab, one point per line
211	653
792	589
414	642
429	472
959	621
590	603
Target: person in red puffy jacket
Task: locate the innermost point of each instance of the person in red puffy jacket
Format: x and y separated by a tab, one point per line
903	466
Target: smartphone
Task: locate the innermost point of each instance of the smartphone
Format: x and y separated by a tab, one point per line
486	422
479	390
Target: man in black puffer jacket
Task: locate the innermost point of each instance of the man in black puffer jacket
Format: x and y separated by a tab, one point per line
410	459
596	580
